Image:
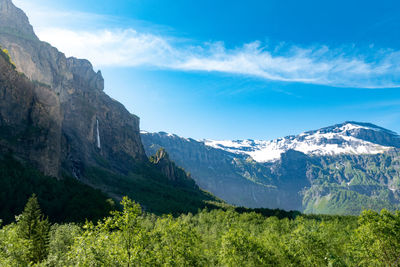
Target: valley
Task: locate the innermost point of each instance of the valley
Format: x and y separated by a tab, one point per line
82	184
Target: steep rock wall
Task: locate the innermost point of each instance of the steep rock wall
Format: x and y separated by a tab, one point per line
79	91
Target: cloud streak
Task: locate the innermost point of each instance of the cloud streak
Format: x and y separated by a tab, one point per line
318	65
126	47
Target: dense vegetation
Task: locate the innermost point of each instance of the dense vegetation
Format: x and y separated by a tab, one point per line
347	184
209	238
65	200
152	189
69	200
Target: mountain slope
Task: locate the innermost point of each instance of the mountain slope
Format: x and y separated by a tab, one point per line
56	117
347	167
65	200
229	176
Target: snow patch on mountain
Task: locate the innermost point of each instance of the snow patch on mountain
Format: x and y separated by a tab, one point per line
170	135
334	140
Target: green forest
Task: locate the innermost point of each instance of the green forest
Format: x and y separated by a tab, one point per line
219	237
67	223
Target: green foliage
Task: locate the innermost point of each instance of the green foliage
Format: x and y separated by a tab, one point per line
33	227
62	237
210	238
77	201
280	214
151	189
175	243
6	55
348	184
341	200
13	250
378	239
240	248
126	223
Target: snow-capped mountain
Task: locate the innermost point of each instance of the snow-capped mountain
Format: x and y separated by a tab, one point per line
346	138
341	169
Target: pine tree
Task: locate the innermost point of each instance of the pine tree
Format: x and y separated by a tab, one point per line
33	227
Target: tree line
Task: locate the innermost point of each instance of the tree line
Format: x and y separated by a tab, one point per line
218	237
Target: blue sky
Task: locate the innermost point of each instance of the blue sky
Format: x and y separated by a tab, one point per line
236	69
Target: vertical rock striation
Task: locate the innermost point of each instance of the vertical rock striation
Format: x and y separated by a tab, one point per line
30	120
78	91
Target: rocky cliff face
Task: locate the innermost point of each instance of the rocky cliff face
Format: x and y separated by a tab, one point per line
54	115
14	21
233	178
338	184
30	119
94	128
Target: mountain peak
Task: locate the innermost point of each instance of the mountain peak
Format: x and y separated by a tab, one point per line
370	126
41	62
13	21
349	126
346	138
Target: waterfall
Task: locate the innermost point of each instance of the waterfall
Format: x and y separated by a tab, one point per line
98	135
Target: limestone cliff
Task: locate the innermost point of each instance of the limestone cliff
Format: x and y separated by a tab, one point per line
94	127
55	116
30	120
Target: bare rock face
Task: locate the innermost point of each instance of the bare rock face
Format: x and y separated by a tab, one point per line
167	167
14	21
94	128
29	120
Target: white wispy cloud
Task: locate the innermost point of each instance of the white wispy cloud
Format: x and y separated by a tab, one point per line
127	47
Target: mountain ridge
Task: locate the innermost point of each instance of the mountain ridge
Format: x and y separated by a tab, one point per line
345	138
338	183
97	141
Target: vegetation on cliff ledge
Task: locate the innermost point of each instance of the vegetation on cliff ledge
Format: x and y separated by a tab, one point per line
6	55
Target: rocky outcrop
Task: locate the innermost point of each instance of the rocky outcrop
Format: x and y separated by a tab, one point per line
87	114
167	167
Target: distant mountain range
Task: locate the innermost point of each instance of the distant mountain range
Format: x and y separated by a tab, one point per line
346	138
57	123
338	169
